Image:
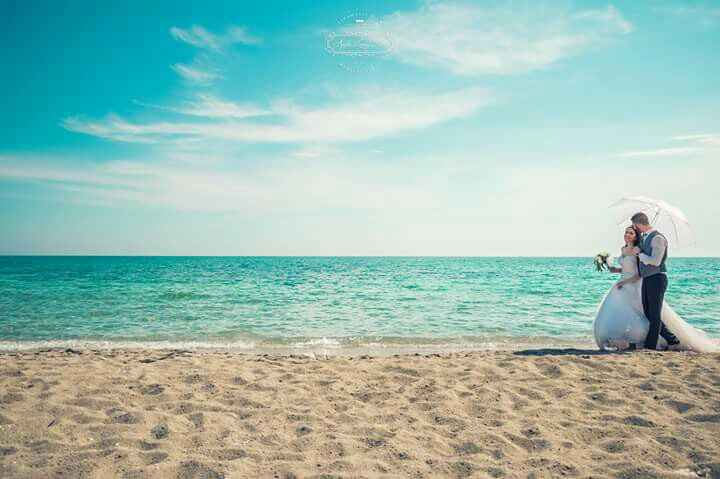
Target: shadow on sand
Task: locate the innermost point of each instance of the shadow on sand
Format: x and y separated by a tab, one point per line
566	352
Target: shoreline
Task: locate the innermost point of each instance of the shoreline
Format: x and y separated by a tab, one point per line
335	347
530	413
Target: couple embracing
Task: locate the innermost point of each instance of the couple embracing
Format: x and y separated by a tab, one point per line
634	313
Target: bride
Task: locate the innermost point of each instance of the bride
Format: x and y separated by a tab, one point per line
620	322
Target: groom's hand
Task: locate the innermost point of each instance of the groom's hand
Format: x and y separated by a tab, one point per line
635	251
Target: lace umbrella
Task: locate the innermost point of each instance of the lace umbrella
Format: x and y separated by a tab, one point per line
668	219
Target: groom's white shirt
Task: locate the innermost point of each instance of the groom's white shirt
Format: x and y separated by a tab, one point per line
659	245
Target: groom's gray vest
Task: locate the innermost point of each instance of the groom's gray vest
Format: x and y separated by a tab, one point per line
646	247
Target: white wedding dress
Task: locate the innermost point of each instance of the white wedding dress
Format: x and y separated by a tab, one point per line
620	318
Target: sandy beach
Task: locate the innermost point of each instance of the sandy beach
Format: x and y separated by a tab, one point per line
544	413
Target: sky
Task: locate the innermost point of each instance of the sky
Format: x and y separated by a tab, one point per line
450	128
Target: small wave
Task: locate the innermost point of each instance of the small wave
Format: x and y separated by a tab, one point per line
154	345
322	342
183	296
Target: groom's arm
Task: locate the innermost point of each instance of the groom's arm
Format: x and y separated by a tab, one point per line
625	281
659	245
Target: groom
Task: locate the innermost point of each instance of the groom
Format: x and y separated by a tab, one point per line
652	253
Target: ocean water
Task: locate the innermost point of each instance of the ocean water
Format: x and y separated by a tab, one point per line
322	303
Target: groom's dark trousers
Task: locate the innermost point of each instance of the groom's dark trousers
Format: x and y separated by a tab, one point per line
653	295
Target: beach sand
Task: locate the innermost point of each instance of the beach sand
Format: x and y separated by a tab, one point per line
545	413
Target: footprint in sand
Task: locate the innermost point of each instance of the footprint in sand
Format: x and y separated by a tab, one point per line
152	389
614	446
119	416
197	419
467	448
679	406
196	470
228	454
638	421
11	397
714	418
161	431
148	446
156	457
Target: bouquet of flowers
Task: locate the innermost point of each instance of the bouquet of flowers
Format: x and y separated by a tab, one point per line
602	261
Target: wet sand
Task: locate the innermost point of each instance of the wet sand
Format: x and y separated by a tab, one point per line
544	413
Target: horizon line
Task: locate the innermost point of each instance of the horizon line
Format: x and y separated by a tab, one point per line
85	255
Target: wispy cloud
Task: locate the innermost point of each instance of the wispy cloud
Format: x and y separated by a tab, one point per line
316	151
470	39
351	207
607	20
195	187
196	36
241	35
703	139
194	74
680	151
697	144
364	118
199	37
213	46
209	106
112	128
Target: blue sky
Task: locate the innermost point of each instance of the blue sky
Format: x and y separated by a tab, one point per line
464	128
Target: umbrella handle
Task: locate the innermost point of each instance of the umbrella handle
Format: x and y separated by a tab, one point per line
657	213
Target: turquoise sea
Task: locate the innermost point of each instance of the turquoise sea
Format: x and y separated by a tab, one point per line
322	303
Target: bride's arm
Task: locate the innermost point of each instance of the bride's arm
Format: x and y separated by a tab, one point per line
616	269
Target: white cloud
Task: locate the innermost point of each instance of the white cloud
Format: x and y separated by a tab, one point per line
195	187
471	39
195	74
196	36
609	20
702	139
241	35
680	151
315	151
203	39
112	128
699	144
209	106
364	118
199	37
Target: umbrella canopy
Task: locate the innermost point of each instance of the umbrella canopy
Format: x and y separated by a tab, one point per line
668	219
